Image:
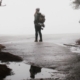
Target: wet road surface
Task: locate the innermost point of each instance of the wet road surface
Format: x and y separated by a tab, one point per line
46	55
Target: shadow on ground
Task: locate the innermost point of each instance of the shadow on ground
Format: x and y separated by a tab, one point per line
6	57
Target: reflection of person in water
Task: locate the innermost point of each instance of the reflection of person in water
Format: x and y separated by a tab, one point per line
34	70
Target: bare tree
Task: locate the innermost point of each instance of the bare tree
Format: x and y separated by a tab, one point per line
0	2
77	3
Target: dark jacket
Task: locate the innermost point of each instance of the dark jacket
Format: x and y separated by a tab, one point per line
36	21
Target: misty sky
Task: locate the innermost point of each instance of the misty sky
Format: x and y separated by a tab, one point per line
18	15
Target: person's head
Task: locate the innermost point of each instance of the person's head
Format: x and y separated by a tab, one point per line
37	10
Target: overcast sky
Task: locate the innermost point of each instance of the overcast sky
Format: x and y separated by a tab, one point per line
18	15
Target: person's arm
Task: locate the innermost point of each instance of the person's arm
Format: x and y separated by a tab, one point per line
34	13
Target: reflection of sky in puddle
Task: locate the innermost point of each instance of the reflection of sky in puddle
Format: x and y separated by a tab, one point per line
75	49
22	71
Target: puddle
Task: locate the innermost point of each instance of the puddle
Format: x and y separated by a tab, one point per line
23	71
75	49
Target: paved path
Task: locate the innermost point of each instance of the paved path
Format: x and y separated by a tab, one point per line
42	54
45	54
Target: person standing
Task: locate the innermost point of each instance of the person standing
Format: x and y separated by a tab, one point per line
37	25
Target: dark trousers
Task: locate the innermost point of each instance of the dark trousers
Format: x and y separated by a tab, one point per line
38	31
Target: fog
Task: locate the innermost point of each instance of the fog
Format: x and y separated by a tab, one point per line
18	15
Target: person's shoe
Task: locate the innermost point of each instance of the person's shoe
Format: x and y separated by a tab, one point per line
35	41
40	40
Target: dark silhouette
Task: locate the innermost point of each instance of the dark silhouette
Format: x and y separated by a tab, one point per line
38	25
4	71
34	70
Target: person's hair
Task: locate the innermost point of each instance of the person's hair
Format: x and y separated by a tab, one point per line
38	9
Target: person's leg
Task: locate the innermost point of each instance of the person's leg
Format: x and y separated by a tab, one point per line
36	34
40	34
